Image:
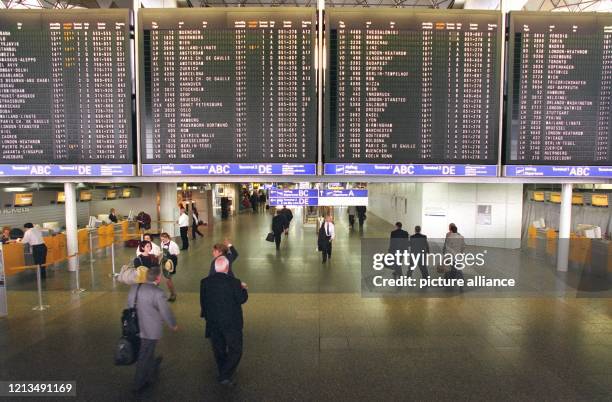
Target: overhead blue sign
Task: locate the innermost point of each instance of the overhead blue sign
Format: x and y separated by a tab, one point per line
279	193
314	197
67	170
343	193
369	169
224	169
557	171
294	201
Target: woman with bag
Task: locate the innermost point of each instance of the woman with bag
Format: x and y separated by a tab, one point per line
145	256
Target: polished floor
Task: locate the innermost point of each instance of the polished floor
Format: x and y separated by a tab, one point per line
310	335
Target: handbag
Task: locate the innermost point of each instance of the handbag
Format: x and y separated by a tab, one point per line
270	237
126	351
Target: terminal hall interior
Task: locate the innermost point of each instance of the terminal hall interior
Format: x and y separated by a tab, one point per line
308	200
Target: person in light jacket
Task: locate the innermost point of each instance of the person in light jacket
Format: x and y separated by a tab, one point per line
153	311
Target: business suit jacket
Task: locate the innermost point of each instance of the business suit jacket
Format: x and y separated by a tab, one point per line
153	310
221	300
279	224
232	255
400	240
418	243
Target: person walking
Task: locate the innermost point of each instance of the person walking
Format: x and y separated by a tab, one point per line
195	223
227	250
183	222
170	251
253	198
152	310
352	211
221	300
33	236
398	241
145	257
361	214
155	249
454	244
279	225
288	216
419	247
262	200
327	234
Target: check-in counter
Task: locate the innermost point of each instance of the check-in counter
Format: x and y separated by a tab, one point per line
18	255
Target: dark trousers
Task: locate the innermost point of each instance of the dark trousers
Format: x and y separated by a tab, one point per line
195	230
146	366
227	347
184	237
39	254
361	220
327	249
352	220
422	267
277	239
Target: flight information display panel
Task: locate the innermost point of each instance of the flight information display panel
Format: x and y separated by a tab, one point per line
65	92
412	87
559	93
227	86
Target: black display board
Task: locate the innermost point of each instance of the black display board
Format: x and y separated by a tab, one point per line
235	86
559	89
65	87
409	86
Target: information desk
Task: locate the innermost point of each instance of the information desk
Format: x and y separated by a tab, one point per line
559	95
233	88
65	93
412	87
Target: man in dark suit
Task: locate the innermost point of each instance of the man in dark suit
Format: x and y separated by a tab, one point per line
419	246
288	216
221	300
279	224
399	241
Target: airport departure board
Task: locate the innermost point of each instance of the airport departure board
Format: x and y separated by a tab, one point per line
65	87
412	87
559	89
228	86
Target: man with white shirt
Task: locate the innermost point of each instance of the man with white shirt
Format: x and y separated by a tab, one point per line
183	222
327	234
33	236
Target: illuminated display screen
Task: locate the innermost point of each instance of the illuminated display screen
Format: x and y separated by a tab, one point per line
559	89
235	86
412	87
65	87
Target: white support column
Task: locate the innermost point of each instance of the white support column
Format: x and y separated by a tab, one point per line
72	242
168	210
565	224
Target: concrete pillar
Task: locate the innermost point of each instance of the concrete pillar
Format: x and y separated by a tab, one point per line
72	240
168	210
565	224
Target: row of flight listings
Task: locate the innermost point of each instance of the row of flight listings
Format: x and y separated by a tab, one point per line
410	93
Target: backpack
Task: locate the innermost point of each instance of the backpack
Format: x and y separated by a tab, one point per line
126	352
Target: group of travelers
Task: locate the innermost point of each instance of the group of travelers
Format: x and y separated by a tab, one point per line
255	200
400	240
221	299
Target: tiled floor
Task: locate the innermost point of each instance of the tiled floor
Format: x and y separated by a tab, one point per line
310	335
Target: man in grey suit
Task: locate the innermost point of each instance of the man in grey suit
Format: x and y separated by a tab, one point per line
153	310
